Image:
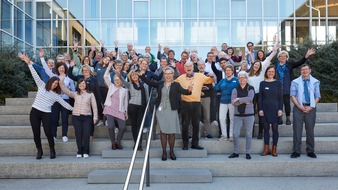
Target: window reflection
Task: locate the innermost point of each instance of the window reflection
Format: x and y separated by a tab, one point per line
28	30
75	9
18	23
108	8
190	8
270	28
125	30
254	34
173	9
43	33
173	30
286	9
141	9
141	37
92	8
124	9
318	29
206	9
223	27
238	32
302	30
238	8
271	8
190	32
108	29
28	7
203	32
302	10
43	10
157	9
59	33
254	8
93	30
222	8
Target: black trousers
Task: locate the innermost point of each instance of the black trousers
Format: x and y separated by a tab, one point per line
191	112
36	117
135	113
82	125
287	106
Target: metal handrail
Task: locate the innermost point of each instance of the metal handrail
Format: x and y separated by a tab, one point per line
126	183
146	156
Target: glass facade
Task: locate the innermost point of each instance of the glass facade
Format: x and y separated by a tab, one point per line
194	24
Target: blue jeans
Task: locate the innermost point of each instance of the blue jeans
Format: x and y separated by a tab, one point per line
56	109
82	125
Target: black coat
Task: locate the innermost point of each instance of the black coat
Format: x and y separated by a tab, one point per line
174	94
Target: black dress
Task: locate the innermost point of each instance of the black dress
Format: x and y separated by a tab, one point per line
270	100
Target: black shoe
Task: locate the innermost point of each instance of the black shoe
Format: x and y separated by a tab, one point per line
288	122
280	122
52	154
39	154
185	147
208	136
140	148
259	136
164	156
248	157
197	147
311	155
233	155
295	155
172	155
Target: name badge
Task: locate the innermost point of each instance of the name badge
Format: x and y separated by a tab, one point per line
266	88
234	81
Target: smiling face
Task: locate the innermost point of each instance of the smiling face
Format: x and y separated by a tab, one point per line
61	69
229	72
188	68
168	75
260	55
282	58
271	73
256	66
242	80
50	63
86	72
134	77
54	84
86	60
82	85
305	71
201	66
223	63
144	65
163	63
117	81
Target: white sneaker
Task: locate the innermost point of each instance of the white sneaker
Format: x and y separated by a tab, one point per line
201	124
64	138
223	138
99	124
54	139
85	156
214	123
145	130
78	156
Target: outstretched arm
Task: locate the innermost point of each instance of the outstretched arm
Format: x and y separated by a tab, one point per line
35	75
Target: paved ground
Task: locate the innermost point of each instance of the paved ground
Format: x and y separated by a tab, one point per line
242	183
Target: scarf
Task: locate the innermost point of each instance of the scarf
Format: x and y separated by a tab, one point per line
143	93
243	92
281	71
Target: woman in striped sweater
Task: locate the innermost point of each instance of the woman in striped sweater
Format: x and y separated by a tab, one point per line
46	96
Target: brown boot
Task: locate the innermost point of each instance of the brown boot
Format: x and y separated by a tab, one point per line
266	150
274	150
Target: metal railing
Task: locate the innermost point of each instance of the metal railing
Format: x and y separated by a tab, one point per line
132	162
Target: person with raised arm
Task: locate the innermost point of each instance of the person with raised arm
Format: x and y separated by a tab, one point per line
48	93
167	104
116	106
84	113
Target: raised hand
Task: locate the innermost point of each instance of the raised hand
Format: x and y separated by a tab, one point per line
116	43
159	47
72	63
102	43
277	46
310	52
41	53
24	58
62	77
117	73
92	48
261	113
76	45
240	53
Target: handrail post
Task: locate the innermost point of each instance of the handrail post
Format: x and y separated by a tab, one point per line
126	183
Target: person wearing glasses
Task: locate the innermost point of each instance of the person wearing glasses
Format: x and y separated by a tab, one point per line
167	103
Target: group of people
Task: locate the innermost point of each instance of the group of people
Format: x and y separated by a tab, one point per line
110	87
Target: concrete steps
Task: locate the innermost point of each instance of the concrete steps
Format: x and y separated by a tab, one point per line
25	132
23	119
26	147
156	176
218	164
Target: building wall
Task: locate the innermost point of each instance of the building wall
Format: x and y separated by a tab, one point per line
194	24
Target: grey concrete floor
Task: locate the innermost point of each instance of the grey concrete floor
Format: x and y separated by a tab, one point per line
219	183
